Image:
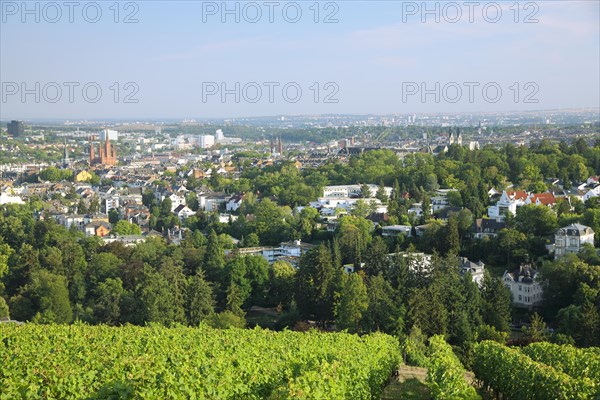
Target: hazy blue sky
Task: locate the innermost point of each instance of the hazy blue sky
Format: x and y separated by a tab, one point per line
371	54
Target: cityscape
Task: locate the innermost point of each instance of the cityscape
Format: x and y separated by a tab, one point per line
334	200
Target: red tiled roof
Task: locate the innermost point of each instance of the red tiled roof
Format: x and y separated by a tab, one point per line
544	198
517	195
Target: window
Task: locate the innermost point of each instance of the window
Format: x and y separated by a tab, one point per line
520	288
520	297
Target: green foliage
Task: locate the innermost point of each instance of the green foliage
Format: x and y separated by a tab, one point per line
108	362
200	299
316	282
445	373
53	174
126	228
45	299
351	303
578	363
487	332
415	348
515	375
225	320
4	312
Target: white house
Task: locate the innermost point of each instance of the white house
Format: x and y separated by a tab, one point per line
475	269
211	202
524	286
594	192
571	238
353	190
508	202
440	200
183	212
286	251
7	198
396	230
234	202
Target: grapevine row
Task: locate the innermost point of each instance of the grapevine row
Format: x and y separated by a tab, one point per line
578	363
445	374
80	361
516	376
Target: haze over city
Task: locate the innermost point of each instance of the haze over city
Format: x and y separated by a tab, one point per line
178	59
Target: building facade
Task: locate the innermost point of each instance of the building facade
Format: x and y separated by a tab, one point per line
16	128
107	154
524	286
571	238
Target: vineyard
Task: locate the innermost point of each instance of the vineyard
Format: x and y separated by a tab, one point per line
445	376
513	373
100	362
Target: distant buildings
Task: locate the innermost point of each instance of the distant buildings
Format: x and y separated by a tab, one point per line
511	200
16	128
570	239
206	141
109	134
352	190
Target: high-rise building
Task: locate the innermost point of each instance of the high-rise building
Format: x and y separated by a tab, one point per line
16	128
110	134
206	141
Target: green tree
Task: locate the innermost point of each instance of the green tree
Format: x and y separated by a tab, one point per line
451	237
107	309
44	300
496	303
383	314
213	258
113	216
4	312
536	220
200	300
123	227
365	191
226	319
352	303
376	259
281	290
316	282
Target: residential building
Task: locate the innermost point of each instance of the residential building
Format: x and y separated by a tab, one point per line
485	227
524	286
234	202
97	228
183	212
508	202
7	198
396	230
571	238
109	134
286	251
345	191
475	269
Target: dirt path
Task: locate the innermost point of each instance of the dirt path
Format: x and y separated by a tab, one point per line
410	384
